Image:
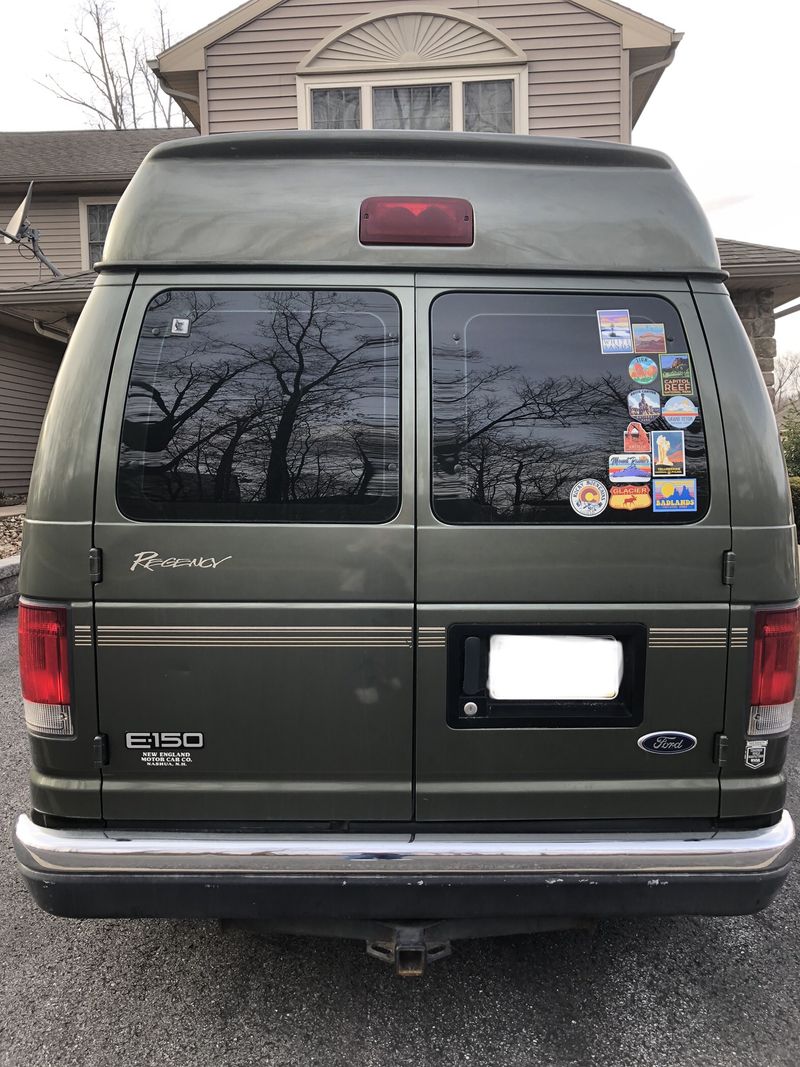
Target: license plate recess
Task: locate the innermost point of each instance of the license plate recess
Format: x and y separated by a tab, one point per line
480	698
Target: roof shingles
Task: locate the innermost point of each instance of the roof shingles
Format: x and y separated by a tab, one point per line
63	155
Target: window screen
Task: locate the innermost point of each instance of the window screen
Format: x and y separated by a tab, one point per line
257	406
336	109
411	107
98	219
564	409
489	107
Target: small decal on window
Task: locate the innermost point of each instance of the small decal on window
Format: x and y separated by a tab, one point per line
643	370
629	467
637	439
680	412
588	498
644	405
676	374
180	328
755	754
669	453
675	494
649	337
630	497
615	331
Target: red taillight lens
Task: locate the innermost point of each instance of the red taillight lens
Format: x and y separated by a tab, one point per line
776	650
416	220
44	669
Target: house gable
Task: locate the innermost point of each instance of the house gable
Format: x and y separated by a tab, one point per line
411	38
577	57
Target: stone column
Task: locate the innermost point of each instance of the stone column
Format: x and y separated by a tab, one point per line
756	310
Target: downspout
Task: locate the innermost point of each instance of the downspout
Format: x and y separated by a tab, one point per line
176	94
50	332
661	65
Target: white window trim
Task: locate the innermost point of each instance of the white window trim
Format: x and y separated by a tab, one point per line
83	202
453	76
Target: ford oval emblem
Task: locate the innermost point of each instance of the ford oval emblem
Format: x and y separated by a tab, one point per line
667	743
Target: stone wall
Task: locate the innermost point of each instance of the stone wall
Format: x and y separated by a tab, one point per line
755	308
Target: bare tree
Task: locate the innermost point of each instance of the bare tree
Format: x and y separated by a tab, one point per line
787	385
112	81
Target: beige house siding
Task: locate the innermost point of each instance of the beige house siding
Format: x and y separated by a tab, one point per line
58	219
28	368
574	62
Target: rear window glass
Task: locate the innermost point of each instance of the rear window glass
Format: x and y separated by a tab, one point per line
564	409
263	405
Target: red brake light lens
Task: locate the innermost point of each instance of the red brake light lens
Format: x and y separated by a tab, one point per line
777	645
44	668
416	220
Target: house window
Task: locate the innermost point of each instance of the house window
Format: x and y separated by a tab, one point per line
95	219
336	109
489	107
411	107
493	101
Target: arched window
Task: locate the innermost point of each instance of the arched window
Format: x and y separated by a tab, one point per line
415	70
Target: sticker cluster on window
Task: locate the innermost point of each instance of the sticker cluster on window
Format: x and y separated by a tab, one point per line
651	470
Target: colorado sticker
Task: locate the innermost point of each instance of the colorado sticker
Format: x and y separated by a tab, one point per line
629	497
675	494
676	374
680	412
649	337
615	331
643	370
644	405
669	456
629	468
588	498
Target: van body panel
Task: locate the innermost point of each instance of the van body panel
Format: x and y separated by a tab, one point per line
293	200
65	781
287	646
571	772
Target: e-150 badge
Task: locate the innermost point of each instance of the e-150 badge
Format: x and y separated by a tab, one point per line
167	748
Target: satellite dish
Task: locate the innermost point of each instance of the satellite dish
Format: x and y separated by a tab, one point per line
18	218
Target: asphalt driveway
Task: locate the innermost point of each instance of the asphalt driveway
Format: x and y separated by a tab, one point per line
661	993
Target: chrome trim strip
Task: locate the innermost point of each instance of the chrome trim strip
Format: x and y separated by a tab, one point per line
137	852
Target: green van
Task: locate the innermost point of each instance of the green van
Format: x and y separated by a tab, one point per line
409	552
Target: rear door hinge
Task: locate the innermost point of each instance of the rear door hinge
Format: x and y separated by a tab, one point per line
728	567
100	750
721	749
95	565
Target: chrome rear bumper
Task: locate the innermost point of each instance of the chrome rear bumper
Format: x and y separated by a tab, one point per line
41	851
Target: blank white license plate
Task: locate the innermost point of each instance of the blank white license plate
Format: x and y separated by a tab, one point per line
549	667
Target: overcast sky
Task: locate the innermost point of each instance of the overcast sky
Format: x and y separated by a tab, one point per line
726	110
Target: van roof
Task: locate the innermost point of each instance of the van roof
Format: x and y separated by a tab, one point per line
292	200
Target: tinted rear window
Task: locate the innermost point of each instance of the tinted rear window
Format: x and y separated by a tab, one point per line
564	409
263	405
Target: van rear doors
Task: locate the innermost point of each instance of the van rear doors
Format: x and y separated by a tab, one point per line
570	604
255	517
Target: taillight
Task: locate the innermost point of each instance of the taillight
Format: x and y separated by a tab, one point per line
777	645
44	669
416	220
